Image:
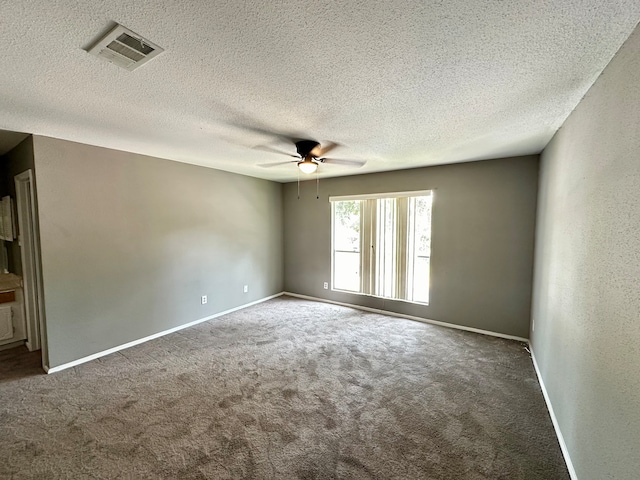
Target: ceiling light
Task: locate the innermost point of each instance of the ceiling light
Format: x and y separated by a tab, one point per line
307	166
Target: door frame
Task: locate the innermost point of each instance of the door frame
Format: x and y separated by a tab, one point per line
29	242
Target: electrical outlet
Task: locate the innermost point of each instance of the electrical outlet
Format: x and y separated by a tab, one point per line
326	285
533	325
203	300
246	288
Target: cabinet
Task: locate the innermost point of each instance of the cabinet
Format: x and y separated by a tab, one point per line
12	322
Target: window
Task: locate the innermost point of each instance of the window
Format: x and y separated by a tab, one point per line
382	245
346	245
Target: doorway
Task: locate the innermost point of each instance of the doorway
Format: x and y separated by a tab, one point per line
28	240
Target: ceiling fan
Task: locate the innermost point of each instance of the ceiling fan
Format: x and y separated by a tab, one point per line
310	155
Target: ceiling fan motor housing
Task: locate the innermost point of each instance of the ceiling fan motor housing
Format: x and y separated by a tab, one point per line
305	147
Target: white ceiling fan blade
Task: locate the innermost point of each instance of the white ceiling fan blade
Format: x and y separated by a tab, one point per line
267	148
339	161
276	164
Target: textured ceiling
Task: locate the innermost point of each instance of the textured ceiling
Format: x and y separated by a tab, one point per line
397	83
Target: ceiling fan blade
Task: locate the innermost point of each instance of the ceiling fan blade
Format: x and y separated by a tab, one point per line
267	148
264	131
276	164
324	150
338	161
245	122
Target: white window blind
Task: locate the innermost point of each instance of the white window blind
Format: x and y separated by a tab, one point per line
382	244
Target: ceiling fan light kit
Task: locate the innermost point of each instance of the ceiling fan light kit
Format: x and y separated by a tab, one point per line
310	154
307	166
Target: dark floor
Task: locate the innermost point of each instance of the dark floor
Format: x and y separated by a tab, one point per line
19	362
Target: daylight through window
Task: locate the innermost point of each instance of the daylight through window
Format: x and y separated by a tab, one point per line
382	245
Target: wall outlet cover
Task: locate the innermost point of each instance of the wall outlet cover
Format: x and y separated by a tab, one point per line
326	285
203	300
246	288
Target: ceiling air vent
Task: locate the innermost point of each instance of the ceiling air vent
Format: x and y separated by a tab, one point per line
124	48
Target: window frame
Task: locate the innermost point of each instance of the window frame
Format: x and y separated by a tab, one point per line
369	217
333	251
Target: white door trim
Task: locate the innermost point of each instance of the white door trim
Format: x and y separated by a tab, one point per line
29	239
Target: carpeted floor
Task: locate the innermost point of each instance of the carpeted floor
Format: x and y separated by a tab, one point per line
285	389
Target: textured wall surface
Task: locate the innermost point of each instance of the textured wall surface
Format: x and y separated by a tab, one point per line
586	307
482	240
16	161
130	243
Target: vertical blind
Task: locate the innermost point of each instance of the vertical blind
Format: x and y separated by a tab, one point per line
381	244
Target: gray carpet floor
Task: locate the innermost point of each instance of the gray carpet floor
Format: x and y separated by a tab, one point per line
288	389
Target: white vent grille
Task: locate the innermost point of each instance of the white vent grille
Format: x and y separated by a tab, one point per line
124	48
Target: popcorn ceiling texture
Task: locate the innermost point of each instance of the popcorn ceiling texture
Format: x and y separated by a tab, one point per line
400	84
587	274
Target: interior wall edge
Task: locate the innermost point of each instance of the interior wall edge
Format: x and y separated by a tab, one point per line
411	317
585	327
130	244
133	343
554	420
482	240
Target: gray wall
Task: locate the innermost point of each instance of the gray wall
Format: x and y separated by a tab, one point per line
482	240
586	307
16	161
130	243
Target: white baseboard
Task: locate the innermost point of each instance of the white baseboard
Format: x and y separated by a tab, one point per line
556	425
410	317
64	366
